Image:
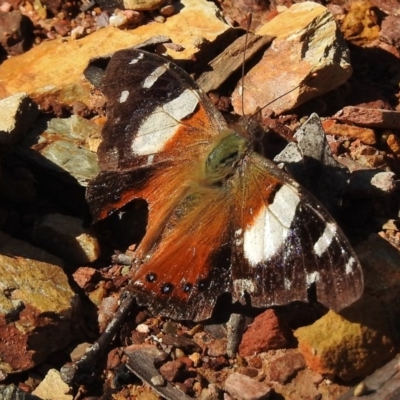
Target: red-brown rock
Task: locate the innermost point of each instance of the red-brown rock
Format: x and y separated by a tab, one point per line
267	332
241	387
284	368
38	307
176	370
113	358
372	117
216	347
15	32
150	350
84	275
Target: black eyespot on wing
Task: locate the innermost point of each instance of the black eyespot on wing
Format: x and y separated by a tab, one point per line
151	277
187	287
167	288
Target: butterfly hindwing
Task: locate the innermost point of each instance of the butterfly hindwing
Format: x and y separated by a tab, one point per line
189	267
287	243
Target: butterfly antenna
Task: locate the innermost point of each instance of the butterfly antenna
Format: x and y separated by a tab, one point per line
279	97
249	18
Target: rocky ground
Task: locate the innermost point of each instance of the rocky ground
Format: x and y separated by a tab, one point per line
62	278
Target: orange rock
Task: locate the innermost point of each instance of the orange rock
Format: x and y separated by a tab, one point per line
393	141
360	25
55	68
38	307
365	135
307	59
53	387
351	345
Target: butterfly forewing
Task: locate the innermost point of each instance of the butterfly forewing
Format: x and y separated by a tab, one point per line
221	218
148	101
157	118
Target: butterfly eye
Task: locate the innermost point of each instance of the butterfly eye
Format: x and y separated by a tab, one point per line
151	277
167	288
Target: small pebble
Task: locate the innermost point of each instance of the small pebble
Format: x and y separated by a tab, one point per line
360	389
197	328
243	387
159	18
196	358
3	375
170	327
125	270
167	10
158	380
77	32
143	328
179	353
5	7
134	17
79	351
118	20
103	20
173	46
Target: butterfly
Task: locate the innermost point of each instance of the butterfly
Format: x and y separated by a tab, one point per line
221	217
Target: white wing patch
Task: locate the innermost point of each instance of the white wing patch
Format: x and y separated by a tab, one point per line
163	123
150	159
124	96
137	59
349	266
153	77
312	278
182	106
324	241
271	226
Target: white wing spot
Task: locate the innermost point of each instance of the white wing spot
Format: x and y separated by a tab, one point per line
150	159
163	122
182	106
271	226
287	283
324	241
153	77
349	265
238	232
124	96
137	59
312	278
